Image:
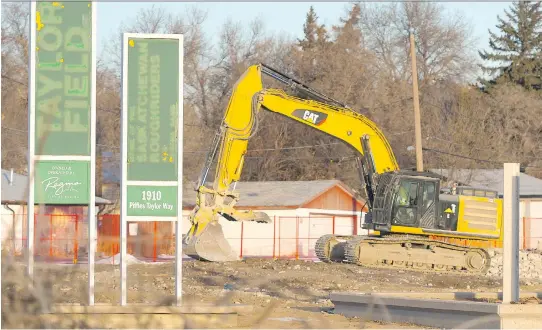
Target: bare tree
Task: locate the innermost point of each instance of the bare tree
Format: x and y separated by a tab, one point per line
14	85
470	129
362	61
444	44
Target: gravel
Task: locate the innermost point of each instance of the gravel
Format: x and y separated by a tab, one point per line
530	264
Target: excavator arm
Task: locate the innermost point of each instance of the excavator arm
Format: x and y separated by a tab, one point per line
205	239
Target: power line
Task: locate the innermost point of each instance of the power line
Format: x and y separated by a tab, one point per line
459	156
474	159
310	146
265	149
15	129
313	146
14	80
205	151
454	143
299	147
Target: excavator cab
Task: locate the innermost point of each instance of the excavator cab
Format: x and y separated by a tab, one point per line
414	200
411	203
405	199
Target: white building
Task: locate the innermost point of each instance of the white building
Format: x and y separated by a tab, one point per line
301	212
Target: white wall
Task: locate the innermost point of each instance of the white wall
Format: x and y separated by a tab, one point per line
12	235
291	233
281	237
531	210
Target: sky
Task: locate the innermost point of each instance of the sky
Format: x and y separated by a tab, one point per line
285	17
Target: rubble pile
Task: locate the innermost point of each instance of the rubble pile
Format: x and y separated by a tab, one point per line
530	264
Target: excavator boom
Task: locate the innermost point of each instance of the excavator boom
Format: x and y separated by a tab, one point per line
205	239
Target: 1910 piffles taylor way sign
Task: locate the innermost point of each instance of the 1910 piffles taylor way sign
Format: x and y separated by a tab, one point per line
152	132
63	77
152	135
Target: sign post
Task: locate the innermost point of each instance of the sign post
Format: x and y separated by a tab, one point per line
510	277
62	114
152	127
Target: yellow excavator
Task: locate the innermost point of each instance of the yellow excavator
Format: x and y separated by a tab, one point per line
411	224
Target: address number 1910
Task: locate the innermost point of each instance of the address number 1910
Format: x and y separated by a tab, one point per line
151	195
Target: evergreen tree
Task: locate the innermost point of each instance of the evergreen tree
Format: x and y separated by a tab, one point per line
518	50
314	34
349	34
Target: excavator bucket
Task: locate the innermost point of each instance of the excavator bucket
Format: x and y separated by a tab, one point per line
209	245
205	240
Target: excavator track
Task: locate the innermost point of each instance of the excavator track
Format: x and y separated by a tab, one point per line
407	252
330	248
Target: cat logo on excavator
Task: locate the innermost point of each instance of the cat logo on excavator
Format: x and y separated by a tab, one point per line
313	117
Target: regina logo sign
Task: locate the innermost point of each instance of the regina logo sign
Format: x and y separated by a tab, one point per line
313	117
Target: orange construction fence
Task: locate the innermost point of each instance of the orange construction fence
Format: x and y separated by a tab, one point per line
289	237
56	236
65	237
148	239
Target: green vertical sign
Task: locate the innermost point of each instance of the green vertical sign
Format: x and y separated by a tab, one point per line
153	98
63	78
152	110
62	116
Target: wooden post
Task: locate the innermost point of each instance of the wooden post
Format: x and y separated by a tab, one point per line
416	100
510	278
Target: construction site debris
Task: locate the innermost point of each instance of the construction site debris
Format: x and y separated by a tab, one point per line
115	260
266	284
530	264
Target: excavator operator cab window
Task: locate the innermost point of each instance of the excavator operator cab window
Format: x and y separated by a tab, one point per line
428	196
413	194
405	208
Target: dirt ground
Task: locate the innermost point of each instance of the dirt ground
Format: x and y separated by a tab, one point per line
283	293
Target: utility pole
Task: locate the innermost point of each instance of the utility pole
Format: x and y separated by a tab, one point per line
416	100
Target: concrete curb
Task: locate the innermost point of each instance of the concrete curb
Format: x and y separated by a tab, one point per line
439	310
452	295
137	316
143	308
